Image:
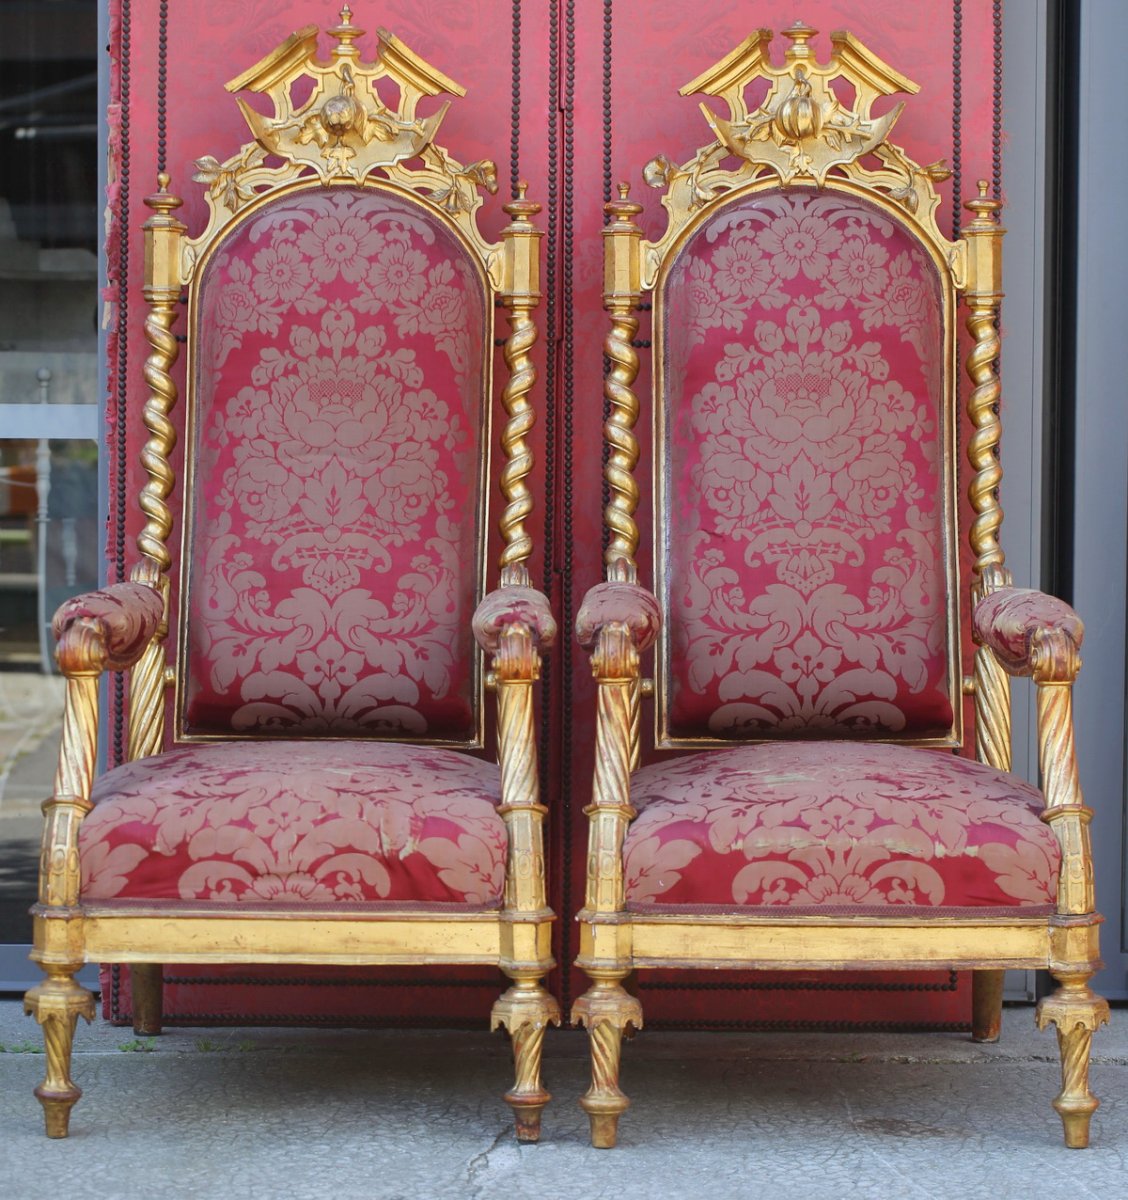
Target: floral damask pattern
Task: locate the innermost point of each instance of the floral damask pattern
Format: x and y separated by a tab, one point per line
807	587
836	824
297	822
339	380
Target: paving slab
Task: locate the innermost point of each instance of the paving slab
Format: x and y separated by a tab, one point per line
400	1114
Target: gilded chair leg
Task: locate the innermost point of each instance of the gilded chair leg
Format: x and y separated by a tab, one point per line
1077	1012
147	987
986	1005
607	1011
56	1004
526	1010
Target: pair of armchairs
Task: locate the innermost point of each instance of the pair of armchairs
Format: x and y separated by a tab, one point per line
301	785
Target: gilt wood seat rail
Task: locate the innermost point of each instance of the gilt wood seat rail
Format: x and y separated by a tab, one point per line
335	628
806	611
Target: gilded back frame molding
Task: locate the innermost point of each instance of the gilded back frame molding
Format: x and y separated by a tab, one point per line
804	134
195	268
341	134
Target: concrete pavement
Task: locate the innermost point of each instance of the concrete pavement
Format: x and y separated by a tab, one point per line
391	1115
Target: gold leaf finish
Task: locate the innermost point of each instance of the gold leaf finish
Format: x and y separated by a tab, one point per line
1077	1013
342	134
801	135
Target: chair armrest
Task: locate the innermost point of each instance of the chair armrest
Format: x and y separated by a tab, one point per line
123	618
1009	619
508	606
627	604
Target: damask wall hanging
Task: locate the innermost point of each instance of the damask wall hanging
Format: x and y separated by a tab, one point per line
577	90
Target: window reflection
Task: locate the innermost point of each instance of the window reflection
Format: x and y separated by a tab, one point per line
50	541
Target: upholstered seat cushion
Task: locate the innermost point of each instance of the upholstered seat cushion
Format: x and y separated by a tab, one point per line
818	824
297	822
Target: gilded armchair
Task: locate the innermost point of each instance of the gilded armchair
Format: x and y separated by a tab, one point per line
807	612
315	801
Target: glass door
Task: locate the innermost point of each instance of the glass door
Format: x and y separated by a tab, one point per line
51	538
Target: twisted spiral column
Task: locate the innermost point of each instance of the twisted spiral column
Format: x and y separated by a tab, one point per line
516	668
615	665
992	711
1055	661
992	685
81	656
152	541
983	446
74	774
149	677
518	455
983	297
618	431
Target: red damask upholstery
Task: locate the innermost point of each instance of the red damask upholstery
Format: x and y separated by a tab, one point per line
338	378
127	615
803	399
297	822
832	826
620	603
511	606
1008	618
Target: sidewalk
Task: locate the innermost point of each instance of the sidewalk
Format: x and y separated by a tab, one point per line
261	1114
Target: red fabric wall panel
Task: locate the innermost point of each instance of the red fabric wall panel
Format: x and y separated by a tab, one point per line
581	94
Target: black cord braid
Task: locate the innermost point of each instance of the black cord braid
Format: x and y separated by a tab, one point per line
957	115
568	350
607	31
997	102
605	449
122	373
515	105
546	741
162	90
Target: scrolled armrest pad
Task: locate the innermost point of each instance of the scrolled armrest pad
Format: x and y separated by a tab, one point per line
514	606
128	614
621	603
1007	620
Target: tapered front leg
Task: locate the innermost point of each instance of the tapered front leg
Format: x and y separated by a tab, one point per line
1077	1013
607	1011
526	1010
56	1004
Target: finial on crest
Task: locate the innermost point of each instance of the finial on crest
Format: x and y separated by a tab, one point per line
346	33
624	209
799	34
161	202
520	208
985	208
